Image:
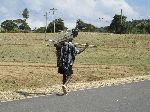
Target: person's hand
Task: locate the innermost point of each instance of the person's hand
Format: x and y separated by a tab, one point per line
87	45
55	45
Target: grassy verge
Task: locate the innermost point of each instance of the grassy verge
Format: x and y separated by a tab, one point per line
26	61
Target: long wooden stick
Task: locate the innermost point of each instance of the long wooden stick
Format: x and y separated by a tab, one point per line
85	44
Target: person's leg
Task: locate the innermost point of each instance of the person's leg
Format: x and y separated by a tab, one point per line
66	79
64	86
68	75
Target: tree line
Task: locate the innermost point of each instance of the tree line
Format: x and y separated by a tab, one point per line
118	25
135	26
18	25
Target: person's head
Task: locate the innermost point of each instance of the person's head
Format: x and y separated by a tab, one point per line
70	39
75	32
61	41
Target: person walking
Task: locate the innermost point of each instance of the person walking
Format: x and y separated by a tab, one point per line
66	52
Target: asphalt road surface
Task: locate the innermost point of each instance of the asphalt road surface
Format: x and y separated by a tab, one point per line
134	97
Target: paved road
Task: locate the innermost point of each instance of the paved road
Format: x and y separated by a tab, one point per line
133	97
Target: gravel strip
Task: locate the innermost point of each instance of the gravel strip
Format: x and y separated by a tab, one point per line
29	93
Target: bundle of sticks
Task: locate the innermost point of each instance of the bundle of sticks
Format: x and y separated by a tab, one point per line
66	37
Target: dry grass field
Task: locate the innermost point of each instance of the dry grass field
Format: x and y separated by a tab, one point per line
26	62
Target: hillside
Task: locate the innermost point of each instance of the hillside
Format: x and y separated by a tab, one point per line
26	62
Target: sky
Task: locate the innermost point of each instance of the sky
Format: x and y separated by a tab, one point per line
97	12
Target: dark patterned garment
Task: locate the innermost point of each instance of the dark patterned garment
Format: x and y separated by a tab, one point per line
65	57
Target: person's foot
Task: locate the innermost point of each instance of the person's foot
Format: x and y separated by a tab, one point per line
64	89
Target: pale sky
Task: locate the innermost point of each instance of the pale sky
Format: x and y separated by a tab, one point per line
70	10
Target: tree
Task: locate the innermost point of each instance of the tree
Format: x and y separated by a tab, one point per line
139	26
22	25
18	22
116	26
59	25
147	28
18	25
8	25
82	26
103	29
25	14
40	30
2	30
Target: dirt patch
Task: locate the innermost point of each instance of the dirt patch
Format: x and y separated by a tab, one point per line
35	92
19	80
14	76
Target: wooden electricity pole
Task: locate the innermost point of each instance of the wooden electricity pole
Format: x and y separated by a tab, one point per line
53	9
121	16
45	24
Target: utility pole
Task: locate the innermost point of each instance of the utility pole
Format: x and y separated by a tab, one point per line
121	23
121	16
53	9
45	24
